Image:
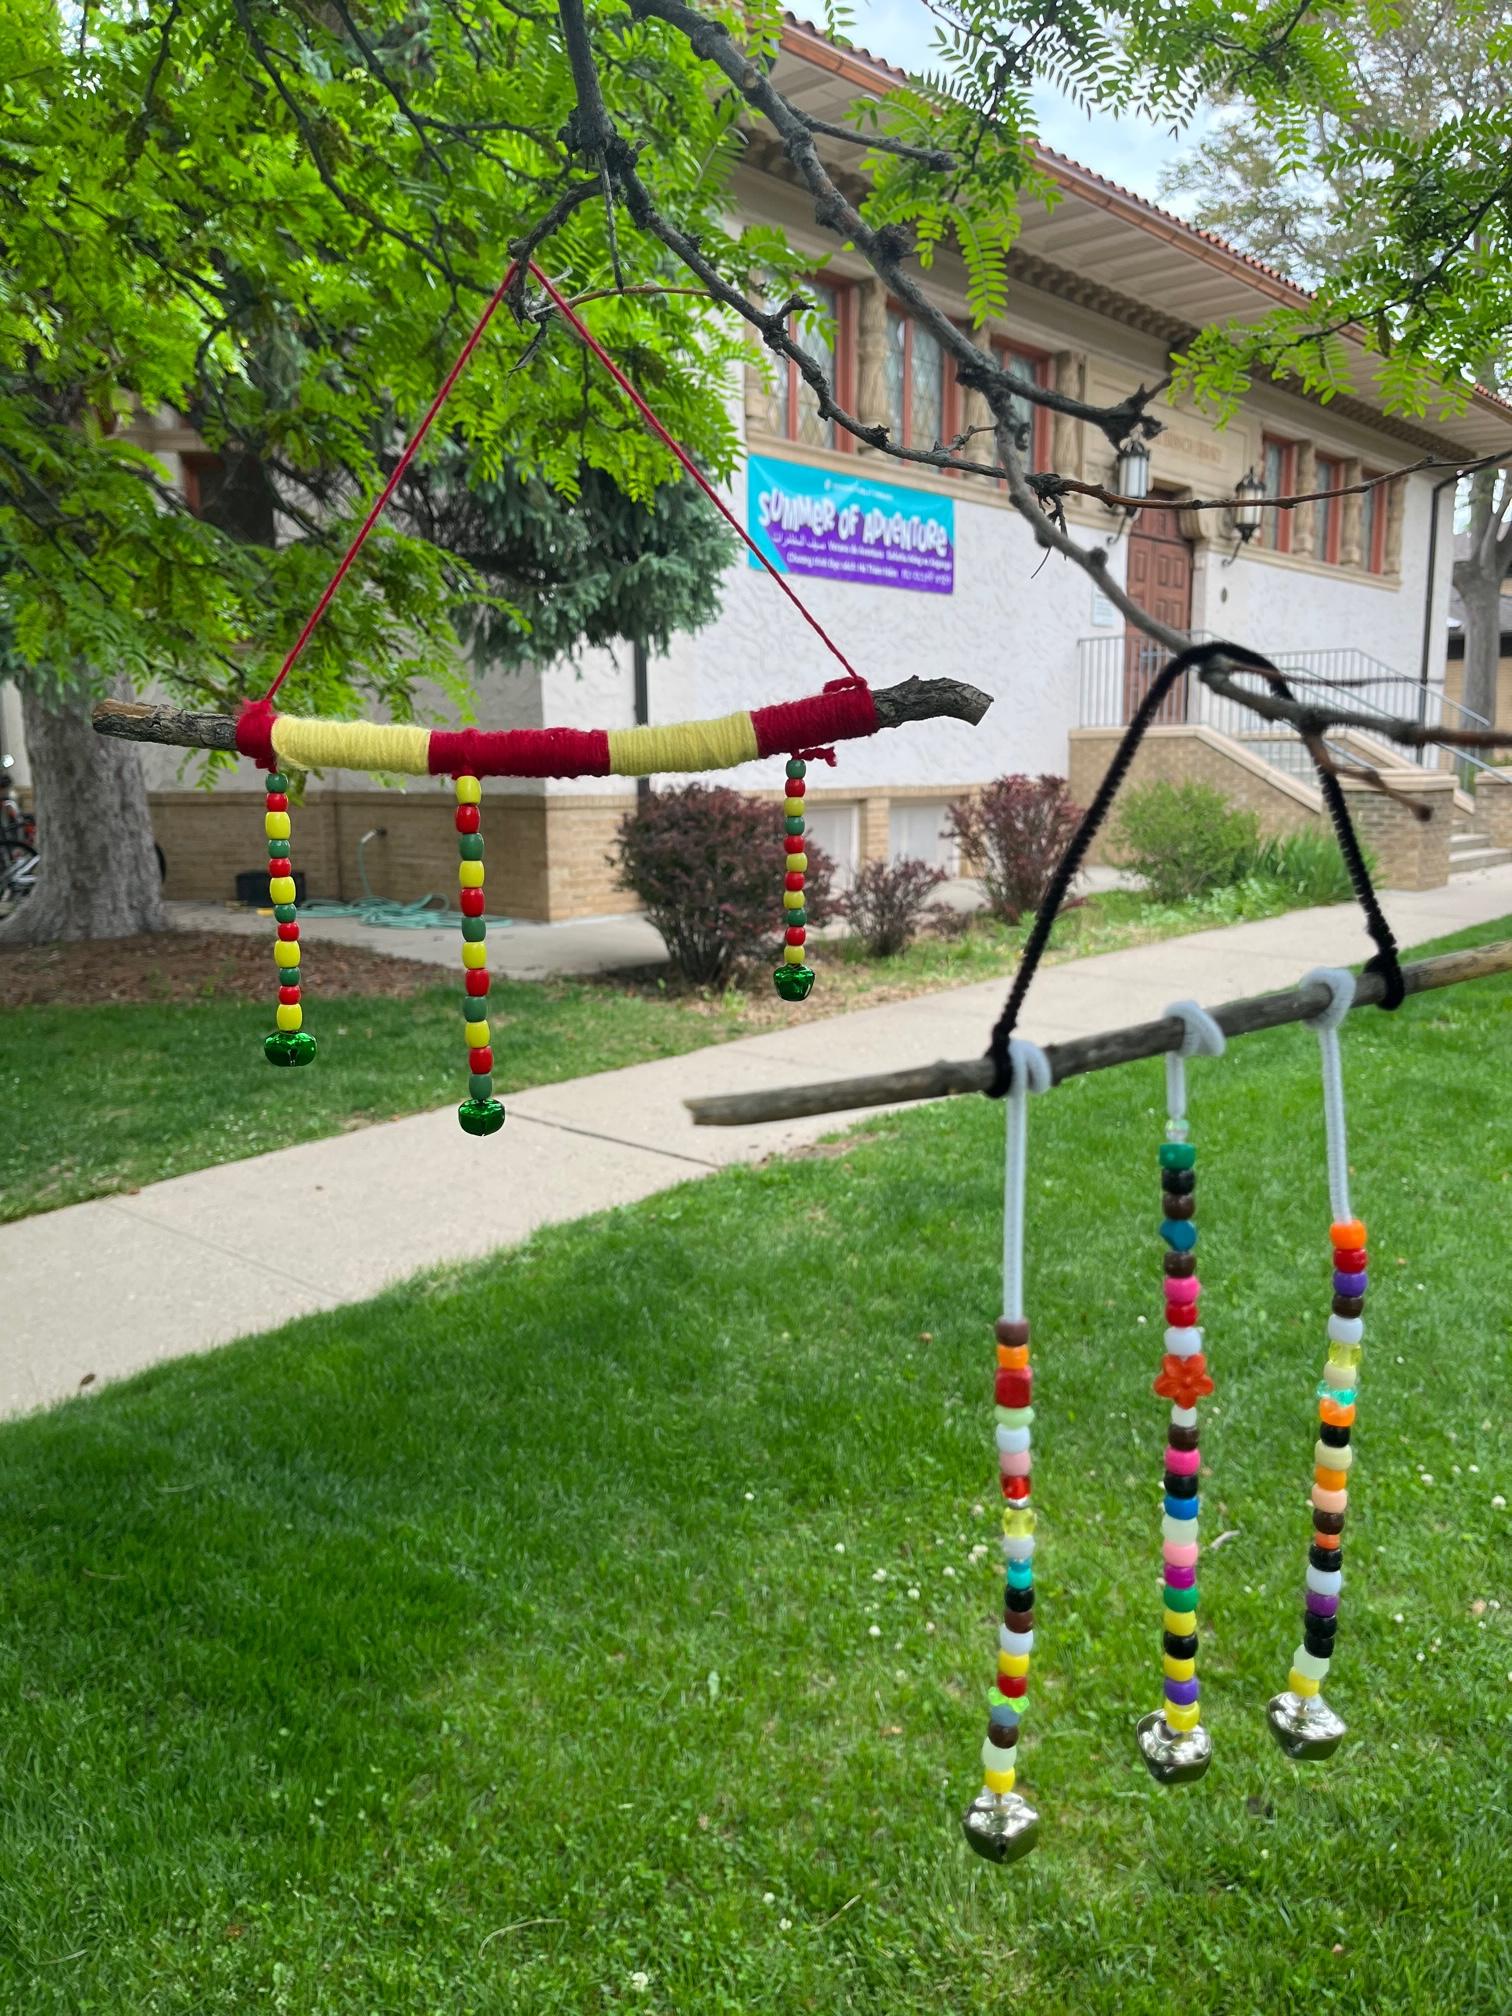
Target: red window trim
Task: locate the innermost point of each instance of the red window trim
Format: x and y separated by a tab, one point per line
845	360
194	465
1278	523
1375	557
950	391
1330	510
1041	418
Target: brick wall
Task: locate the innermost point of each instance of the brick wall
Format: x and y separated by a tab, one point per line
1493	806
1193	755
1410	853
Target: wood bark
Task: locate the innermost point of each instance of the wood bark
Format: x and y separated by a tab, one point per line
98	875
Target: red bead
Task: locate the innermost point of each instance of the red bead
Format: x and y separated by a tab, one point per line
794	788
467	819
476	980
279	867
796	935
278	801
1016	1487
1014	1388
1181	1315
794	843
1351	1260
288	933
288	995
471	901
1013	1686
480	1060
794	881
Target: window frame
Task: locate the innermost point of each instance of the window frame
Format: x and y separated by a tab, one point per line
1328	512
791	385
1275	534
194	465
950	391
1041	419
1373	523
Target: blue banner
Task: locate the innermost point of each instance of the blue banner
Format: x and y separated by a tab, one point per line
850	528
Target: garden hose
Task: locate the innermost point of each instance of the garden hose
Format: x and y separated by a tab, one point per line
425	911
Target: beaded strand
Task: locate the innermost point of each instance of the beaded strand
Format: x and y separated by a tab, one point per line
290	1043
480	1113
794	977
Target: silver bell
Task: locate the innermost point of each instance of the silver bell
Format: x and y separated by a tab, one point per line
1174	1756
1000	1825
1304	1725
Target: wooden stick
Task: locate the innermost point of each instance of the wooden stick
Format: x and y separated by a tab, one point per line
134	721
1082	1053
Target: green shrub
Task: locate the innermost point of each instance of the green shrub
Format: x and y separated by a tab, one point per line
1183	840
1307	864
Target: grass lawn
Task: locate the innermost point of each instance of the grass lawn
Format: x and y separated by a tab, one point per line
608	1627
108	1094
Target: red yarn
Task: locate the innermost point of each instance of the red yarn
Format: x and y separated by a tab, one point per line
254	733
838	714
520	752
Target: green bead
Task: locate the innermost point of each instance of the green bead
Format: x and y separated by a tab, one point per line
279	850
480	1116
475	1007
288	976
474	930
286	913
480	1084
795	918
289	1046
796	766
277	781
1181	1599
794	982
1177	1155
793	825
470	846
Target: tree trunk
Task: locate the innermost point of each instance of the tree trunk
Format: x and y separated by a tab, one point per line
98	874
1482	601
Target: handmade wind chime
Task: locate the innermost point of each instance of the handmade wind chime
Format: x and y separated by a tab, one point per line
801	730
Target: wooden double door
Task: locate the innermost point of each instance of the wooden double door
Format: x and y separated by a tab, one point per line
1159	580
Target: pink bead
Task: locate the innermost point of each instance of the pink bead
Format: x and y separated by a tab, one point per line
1015	1462
1180	1553
1185	1462
1178	1289
1329	1501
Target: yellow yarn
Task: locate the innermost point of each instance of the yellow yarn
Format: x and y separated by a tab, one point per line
684	745
351	745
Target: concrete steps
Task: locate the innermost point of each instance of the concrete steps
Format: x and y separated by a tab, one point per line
1470	850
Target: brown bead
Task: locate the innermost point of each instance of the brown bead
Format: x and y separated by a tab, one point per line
1349	1305
1009	1331
1019	1620
1178	1207
1001	1737
1181	1438
1180	1266
1328	1522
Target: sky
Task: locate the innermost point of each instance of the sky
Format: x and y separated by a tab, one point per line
1125	150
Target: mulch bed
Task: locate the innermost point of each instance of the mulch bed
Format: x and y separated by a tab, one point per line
194	965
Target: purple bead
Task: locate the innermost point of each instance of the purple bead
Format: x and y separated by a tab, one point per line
1181	1692
1349	1284
1321	1606
1180	1578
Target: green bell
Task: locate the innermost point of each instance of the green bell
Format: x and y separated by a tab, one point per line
794	982
289	1046
480	1116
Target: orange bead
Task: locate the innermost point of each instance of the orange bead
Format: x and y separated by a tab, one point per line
1349	1232
1013	1356
1331	1480
1336	1415
1325	1539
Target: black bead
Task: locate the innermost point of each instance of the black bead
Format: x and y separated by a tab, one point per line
1001	1737
1178	1207
1019	1599
1178	1182
1349	1305
1328	1522
1321	1628
1181	1438
1320	1648
1180	1266
1179	1648
1178	1486
1335	1436
1327	1558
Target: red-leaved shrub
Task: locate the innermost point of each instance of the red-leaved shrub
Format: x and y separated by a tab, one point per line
706	863
1012	833
888	902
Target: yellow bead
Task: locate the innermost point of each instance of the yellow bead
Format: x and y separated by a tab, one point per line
276	825
476	1034
470	874
1181	1719
1178	1622
285	954
796	864
474	955
793	954
1017	1525
290	1015
469	791
281	889
793	807
1299	1683
1015	1664
793	899
1000	1781
1178	1669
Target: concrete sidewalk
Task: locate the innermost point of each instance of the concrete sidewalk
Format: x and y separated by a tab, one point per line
108	1287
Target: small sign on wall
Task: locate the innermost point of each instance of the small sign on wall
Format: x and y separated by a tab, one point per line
849	528
1103	611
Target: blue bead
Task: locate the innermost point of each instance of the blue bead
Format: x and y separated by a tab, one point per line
1005	1717
1182	1508
1020	1574
1180	1234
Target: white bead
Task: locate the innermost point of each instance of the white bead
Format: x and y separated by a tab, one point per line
1182	1531
1015	1641
1183	1417
1310	1664
1018	1546
1346	1329
1325	1581
1328	1458
1341	1376
1183	1343
994	1759
1012	1440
